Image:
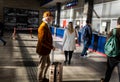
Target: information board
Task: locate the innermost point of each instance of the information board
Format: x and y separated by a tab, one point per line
20	18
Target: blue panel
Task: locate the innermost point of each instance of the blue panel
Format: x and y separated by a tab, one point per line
52	29
101	43
79	38
92	42
59	32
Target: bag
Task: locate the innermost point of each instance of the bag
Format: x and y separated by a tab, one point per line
111	47
55	70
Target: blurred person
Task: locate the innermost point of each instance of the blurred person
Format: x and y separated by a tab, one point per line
96	37
1	33
44	45
69	42
113	61
86	38
77	34
81	34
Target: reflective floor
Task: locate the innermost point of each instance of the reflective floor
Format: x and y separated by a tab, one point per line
18	61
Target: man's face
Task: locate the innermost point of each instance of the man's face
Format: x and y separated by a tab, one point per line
49	19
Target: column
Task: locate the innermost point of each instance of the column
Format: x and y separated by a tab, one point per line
88	10
1	10
58	6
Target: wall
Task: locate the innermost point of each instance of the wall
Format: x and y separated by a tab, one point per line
107	10
23	4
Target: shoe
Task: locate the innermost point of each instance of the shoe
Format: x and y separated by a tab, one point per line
69	63
102	80
40	80
84	56
4	44
81	56
65	62
45	80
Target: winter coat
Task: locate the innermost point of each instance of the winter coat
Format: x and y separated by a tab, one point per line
68	41
44	44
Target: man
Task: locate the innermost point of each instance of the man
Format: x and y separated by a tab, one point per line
1	33
113	61
87	37
44	45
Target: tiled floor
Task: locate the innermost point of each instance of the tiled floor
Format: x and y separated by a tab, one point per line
18	62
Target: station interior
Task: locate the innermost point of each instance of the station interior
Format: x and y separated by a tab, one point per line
22	18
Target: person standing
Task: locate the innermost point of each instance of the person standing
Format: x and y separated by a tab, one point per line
69	42
77	34
1	33
44	45
86	37
96	37
113	61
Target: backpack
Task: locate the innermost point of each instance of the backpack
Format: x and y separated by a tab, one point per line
111	47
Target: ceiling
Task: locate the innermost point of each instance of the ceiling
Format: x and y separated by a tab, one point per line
53	3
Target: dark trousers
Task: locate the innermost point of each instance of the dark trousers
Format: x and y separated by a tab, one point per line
68	53
111	63
85	48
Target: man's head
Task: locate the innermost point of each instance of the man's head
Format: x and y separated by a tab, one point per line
88	22
118	21
48	16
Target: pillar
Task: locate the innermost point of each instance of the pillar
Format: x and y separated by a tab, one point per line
88	9
58	7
